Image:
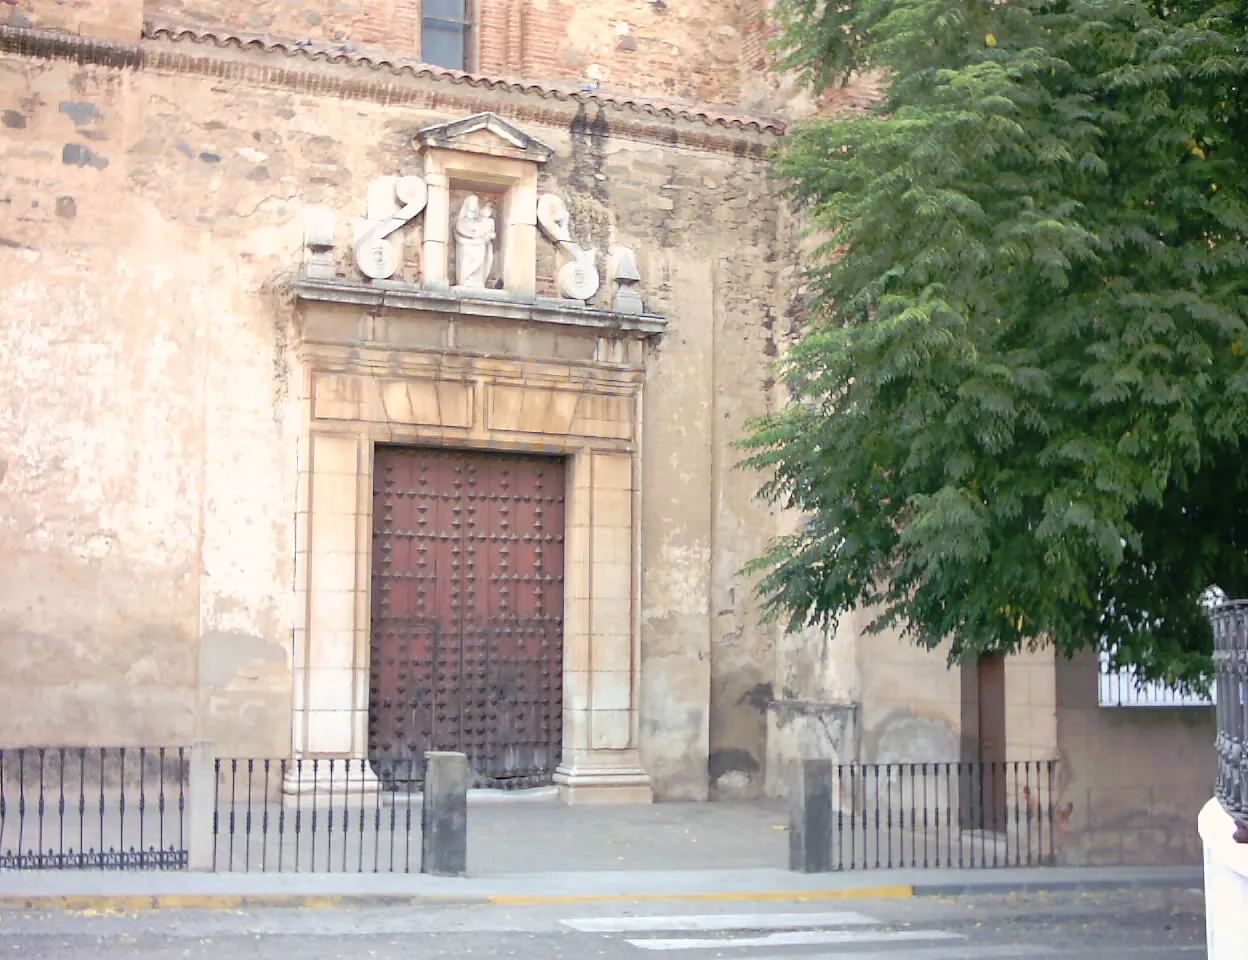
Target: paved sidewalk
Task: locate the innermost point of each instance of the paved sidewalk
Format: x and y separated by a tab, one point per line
547	852
137	890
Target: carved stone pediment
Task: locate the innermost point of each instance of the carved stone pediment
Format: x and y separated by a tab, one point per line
485	133
468	224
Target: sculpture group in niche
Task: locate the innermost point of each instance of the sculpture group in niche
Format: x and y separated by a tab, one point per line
393	202
468	249
475	232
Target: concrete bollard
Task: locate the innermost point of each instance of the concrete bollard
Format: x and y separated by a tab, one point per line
810	818
444	815
201	802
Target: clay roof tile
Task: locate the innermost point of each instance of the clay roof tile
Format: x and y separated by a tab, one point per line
346	53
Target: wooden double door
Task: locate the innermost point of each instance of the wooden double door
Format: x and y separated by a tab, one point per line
467	614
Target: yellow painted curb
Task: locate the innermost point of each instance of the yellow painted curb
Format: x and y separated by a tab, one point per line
887	891
106	904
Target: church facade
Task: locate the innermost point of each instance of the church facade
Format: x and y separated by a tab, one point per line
370	380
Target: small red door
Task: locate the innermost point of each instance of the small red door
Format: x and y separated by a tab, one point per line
467	614
991	675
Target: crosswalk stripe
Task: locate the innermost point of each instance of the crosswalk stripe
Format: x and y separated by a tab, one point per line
723	921
795	938
961	952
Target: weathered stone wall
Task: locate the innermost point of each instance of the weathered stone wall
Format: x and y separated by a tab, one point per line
392	25
147	432
1133	779
108	19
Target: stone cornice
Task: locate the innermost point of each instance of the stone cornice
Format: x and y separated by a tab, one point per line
396	296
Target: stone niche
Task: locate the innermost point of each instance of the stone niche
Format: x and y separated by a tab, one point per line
486	159
477	366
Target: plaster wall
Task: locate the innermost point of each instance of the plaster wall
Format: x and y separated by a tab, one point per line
143	386
911	701
1134	779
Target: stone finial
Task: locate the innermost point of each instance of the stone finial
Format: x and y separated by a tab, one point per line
392	203
318	239
624	268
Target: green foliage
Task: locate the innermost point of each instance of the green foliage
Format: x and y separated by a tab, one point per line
1020	409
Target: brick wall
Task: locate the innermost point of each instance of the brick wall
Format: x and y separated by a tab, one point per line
757	31
499	34
687	49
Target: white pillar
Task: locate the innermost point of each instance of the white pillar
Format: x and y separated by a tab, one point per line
201	791
1226	885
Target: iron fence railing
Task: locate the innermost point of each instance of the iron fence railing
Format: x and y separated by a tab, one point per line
174	808
92	807
183	807
1230	662
328	815
921	815
1123	688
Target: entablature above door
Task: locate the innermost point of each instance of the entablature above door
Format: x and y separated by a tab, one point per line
397	316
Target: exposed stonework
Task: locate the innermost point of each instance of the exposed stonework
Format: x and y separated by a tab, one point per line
109	19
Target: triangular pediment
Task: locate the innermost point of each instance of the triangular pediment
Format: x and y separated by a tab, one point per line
486	133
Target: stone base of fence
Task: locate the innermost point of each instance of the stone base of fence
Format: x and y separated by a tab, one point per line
1226	885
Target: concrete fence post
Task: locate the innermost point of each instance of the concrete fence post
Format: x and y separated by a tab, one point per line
810	818
201	803
444	815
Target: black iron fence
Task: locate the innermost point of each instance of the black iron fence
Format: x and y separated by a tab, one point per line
1230	662
174	808
920	815
97	807
316	815
178	808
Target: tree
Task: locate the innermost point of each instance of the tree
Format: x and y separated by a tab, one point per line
1019	410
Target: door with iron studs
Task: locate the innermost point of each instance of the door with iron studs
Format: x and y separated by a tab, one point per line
467	614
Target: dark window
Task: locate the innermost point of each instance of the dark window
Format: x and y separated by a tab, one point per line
446	33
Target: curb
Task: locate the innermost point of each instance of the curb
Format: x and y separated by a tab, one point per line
886	891
131	903
135	903
1041	886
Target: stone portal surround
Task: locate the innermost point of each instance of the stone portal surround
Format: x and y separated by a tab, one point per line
589	412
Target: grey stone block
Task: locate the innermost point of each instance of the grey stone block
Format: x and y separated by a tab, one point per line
444	815
810	818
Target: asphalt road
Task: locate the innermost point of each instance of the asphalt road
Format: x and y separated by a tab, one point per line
1140	925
